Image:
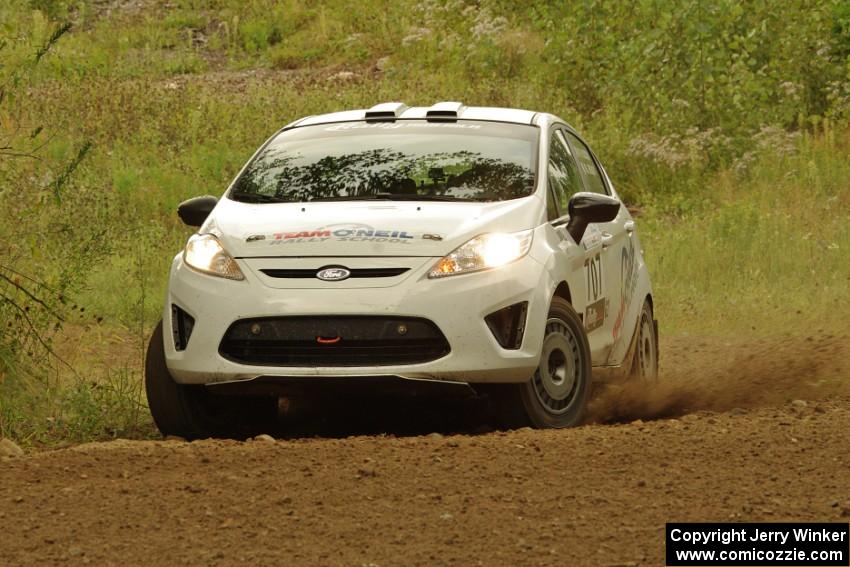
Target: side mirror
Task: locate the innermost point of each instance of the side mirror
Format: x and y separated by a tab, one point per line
585	208
195	211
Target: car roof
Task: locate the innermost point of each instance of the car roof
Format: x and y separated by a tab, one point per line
441	111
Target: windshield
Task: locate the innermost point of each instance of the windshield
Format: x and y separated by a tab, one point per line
403	160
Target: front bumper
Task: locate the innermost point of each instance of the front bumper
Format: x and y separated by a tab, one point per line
457	305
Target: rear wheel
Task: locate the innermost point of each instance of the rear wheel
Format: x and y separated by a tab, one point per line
190	411
557	394
645	361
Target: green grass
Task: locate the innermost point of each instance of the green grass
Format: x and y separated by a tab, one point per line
767	253
725	125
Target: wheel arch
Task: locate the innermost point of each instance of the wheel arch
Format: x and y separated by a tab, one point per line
562	290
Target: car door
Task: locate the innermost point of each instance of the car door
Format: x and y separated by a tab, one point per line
617	255
589	299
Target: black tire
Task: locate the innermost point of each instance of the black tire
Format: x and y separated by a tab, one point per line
645	359
190	411
557	394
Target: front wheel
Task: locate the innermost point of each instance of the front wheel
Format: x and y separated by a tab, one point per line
557	394
190	411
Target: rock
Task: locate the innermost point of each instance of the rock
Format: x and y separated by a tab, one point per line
175	438
737	411
435	435
845	512
366	472
265	438
799	404
641	483
9	448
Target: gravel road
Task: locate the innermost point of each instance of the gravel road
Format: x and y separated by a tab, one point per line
595	495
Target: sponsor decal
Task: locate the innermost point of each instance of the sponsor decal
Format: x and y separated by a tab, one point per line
592	237
302	234
343	126
347	233
594	315
628	277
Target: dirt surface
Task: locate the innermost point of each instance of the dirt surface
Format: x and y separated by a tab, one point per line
754	431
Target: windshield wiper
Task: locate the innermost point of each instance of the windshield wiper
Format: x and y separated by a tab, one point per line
393	197
263	198
256	198
429	198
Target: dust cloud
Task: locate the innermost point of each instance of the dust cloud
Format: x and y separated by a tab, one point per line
699	374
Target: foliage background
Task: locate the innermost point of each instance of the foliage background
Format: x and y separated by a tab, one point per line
724	124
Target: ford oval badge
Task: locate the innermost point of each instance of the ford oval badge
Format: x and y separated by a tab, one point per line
333	274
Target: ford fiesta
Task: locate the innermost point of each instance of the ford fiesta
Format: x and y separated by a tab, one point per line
481	247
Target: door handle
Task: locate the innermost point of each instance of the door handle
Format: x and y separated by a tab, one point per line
607	237
629	226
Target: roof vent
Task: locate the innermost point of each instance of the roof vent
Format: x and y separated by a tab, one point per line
444	112
385	112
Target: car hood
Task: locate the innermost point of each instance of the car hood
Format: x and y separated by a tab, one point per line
363	228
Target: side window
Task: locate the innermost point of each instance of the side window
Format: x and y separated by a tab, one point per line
564	180
591	173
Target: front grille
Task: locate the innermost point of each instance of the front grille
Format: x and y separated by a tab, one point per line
355	272
333	341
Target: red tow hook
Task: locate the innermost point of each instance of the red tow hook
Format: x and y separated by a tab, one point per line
324	341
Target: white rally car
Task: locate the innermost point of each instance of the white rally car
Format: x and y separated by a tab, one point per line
454	244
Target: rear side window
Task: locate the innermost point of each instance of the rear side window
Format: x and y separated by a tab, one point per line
564	179
591	173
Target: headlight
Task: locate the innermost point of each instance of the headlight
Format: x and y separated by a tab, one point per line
204	253
482	252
